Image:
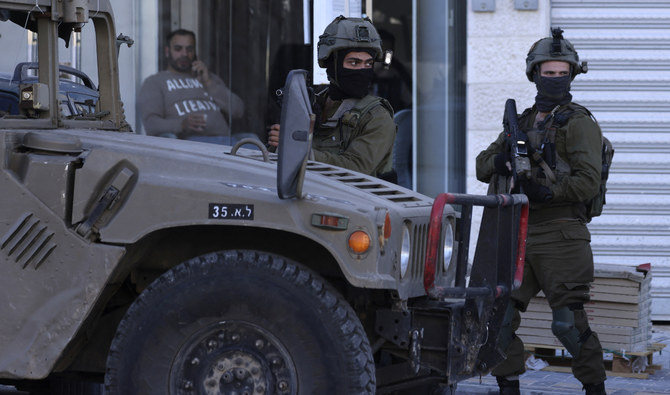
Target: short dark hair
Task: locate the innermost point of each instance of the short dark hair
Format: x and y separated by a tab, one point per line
179	32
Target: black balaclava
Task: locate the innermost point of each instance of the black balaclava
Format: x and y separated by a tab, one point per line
348	83
552	91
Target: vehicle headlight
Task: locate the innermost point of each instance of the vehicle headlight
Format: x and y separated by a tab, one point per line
448	247
405	251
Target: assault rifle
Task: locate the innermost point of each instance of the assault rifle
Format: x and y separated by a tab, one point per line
517	145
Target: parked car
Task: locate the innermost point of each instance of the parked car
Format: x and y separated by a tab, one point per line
78	95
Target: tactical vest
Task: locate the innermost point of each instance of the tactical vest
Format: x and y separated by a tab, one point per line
336	133
549	168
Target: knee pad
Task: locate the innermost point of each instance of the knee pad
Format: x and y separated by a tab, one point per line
564	328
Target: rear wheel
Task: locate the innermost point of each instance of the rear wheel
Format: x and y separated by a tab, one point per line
240	322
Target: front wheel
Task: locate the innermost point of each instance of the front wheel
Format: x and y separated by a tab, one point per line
240	322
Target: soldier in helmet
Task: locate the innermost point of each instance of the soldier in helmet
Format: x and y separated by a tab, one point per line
353	129
558	259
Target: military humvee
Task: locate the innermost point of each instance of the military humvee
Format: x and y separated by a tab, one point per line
164	266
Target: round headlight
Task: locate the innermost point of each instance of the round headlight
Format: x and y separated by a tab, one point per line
405	251
448	247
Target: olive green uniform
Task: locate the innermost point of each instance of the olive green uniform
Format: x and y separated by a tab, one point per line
559	260
358	141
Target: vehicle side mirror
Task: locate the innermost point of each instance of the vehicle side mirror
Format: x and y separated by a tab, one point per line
295	136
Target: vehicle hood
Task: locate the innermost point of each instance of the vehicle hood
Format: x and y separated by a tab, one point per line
169	182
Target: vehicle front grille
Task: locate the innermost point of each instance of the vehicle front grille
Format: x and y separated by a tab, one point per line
419	242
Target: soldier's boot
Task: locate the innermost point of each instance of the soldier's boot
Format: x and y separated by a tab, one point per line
595	389
508	387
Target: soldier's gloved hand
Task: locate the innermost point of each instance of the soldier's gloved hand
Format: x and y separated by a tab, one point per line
503	163
537	193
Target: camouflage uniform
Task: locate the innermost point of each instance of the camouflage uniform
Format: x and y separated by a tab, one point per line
361	142
558	257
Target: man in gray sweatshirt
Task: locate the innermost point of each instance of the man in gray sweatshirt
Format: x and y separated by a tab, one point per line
186	101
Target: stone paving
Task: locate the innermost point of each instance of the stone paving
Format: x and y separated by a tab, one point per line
538	382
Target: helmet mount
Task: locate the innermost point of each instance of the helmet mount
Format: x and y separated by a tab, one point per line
557	35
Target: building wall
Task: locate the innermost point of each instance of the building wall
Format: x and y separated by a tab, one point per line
127	18
138	20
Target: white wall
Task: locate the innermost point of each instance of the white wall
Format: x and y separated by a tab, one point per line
125	18
138	20
14	43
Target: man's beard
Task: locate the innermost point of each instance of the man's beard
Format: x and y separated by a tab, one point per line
182	65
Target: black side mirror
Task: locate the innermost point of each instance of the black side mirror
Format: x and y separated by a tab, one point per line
295	137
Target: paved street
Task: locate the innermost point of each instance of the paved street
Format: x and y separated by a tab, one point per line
6	390
555	383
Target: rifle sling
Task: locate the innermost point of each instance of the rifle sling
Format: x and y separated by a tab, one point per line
545	167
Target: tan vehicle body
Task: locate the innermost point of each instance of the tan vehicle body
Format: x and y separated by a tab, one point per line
92	214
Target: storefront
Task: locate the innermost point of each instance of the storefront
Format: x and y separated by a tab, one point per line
252	45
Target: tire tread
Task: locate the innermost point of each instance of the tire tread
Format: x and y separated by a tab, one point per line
361	368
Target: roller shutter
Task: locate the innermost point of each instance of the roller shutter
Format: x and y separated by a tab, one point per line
627	46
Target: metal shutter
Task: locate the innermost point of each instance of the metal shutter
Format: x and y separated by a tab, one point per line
627	46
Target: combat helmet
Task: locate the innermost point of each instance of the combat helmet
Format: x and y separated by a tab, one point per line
554	48
343	33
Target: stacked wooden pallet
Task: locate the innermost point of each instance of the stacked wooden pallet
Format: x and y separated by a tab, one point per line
619	311
631	364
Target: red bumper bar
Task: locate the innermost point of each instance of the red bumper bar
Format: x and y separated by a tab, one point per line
435	229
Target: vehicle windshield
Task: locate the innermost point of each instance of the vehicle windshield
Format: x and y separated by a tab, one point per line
78	93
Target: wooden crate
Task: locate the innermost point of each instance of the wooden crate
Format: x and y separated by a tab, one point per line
615	364
621	339
619	311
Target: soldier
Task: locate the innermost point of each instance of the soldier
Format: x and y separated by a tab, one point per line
187	101
558	259
353	129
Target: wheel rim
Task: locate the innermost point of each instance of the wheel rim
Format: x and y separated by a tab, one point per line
233	357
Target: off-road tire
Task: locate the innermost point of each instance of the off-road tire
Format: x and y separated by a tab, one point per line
237	321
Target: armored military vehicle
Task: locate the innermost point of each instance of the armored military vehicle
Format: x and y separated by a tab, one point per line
161	266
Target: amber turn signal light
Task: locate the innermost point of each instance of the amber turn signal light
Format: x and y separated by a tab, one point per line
359	242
